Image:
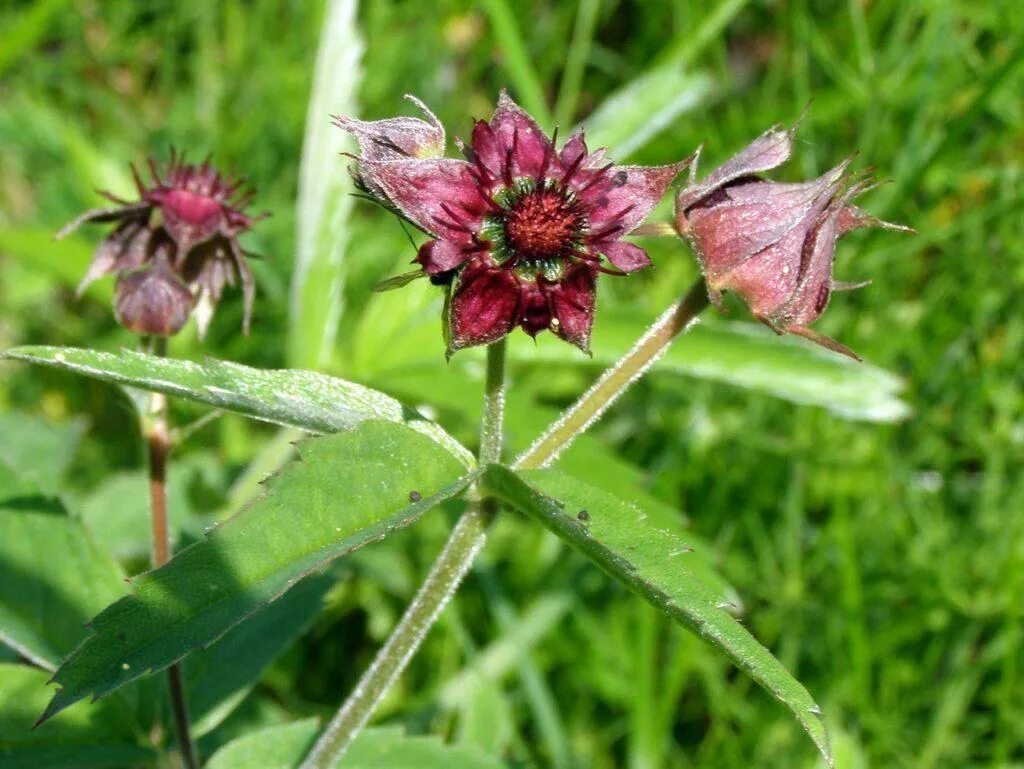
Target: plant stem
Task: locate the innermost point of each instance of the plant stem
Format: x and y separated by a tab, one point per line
616	380
491	432
158	441
447	572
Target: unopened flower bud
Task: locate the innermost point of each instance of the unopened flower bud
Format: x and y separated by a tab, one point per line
190	217
152	300
770	243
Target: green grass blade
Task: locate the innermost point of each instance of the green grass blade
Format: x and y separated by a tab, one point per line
323	204
304	399
282	747
521	71
748	356
632	116
620	539
346	490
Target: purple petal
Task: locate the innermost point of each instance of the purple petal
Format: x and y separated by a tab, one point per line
511	134
770	150
483	306
626	256
768	279
534	313
572	303
624	196
440	195
438	256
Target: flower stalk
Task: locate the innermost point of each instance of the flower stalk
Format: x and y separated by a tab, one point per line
616	380
446	574
158	442
470	533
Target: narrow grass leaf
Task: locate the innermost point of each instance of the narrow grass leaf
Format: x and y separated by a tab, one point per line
304	399
323	205
346	490
650	561
640	110
746	355
283	747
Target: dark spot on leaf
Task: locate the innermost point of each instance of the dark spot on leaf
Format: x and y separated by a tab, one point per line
583	515
415	496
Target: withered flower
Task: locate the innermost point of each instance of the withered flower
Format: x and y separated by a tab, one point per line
184	225
519	228
771	243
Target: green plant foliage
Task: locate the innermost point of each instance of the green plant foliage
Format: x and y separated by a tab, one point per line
39	451
43	611
82	737
283	747
346	490
650	561
322	236
304	399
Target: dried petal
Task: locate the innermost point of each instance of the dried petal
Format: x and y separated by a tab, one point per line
397	138
768	151
626	256
626	195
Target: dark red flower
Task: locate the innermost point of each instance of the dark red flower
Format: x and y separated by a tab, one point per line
773	244
191	217
519	227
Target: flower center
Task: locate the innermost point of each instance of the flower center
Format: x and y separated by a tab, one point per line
542	225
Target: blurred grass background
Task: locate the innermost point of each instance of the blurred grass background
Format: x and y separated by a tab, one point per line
883	563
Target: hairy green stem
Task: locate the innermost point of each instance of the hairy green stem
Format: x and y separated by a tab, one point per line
447	572
616	380
470	533
158	442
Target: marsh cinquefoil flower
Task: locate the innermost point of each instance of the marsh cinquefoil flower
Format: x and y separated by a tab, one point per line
519	228
773	244
174	248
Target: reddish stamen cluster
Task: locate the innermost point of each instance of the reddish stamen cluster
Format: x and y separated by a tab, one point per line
543	225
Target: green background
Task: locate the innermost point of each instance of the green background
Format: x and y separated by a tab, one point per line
883	562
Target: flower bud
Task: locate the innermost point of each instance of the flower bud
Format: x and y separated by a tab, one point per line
152	300
770	243
189	217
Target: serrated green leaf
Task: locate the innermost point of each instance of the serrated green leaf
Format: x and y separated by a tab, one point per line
217	678
79	738
53	578
283	747
347	489
650	561
304	399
